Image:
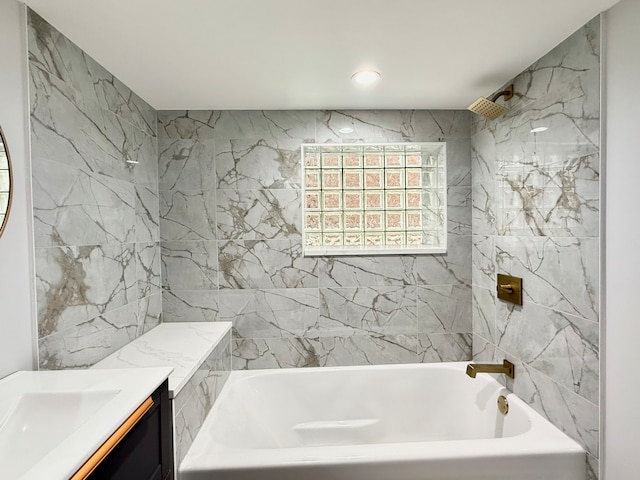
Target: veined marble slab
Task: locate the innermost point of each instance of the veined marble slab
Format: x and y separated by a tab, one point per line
183	346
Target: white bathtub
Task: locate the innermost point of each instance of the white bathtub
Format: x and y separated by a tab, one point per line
397	422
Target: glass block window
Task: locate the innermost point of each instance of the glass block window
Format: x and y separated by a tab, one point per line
374	198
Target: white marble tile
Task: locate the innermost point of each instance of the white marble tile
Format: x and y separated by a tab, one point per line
251	354
559	273
46	46
444	347
446	269
73	207
323	351
149	313
558	198
441	269
338	312
395	125
190	265
84	345
136	110
76	284
572	130
186	164
147	227
202	124
484	313
459	162
561	346
143	148
593	466
189	215
574	59
366	310
484	263
266	124
444	309
459	210
79	136
483	156
186	426
269	313
189	305
131	145
185	396
365	350
210	386
250	164
262	264
569	133
186	124
148	268
484	214
366	271
259	214
52	52
483	351
568	411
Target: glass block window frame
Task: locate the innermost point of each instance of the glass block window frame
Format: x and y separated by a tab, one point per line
374	199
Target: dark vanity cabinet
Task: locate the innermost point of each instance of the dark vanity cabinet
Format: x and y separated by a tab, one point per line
145	452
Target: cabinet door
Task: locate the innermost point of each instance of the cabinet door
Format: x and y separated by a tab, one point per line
146	451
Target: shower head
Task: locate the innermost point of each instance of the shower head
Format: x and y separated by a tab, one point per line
489	108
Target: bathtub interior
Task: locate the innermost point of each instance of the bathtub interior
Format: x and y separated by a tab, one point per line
322	407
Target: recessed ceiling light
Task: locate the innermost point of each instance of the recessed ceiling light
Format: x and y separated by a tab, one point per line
346	130
366	77
539	129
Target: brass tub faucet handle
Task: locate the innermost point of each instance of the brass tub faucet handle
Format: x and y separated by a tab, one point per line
507	288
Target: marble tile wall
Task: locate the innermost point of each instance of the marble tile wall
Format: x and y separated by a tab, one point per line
536	215
96	218
193	403
214	202
230	224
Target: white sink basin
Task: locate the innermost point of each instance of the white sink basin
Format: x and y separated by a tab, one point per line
52	422
33	423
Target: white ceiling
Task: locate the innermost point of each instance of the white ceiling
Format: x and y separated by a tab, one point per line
300	54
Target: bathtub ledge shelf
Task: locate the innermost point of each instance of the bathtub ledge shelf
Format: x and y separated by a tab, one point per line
200	355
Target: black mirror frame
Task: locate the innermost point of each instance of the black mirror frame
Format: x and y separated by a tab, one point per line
6	214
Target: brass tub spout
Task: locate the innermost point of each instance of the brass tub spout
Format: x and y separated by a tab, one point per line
507	368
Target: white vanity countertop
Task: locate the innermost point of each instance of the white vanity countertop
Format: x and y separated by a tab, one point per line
51	422
184	346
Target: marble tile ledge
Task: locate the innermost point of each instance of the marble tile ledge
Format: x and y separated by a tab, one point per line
182	346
